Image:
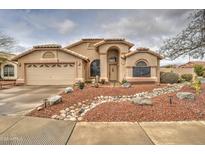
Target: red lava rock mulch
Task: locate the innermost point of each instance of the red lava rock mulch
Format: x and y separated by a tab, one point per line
160	111
89	93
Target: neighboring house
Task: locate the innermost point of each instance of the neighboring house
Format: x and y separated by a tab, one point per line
187	68
8	68
110	59
191	64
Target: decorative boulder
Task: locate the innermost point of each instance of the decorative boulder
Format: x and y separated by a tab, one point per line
54	100
126	85
68	90
186	95
142	100
39	108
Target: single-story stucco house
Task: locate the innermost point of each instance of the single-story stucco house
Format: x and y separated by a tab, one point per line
8	68
110	59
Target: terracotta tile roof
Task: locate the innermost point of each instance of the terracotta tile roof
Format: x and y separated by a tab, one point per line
47	46
92	39
100	41
95	40
57	47
143	50
6	55
75	54
114	40
192	64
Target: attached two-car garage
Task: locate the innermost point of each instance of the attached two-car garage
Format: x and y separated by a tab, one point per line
50	74
50	65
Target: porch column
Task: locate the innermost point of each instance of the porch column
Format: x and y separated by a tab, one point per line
103	66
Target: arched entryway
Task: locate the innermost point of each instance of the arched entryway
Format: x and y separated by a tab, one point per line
113	63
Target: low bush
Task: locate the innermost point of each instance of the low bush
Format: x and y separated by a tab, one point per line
187	77
89	81
181	80
124	81
204	75
196	84
169	77
80	85
102	81
199	70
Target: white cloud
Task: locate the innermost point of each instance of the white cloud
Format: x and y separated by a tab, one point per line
65	26
146	27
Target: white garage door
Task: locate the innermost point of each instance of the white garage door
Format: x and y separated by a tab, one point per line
50	74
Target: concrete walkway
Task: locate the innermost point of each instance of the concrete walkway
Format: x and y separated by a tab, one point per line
31	130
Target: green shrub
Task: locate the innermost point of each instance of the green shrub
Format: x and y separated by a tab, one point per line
102	81
197	86
181	80
199	70
187	77
124	81
169	77
89	81
204	75
80	85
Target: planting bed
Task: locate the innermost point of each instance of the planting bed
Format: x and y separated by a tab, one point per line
88	93
161	110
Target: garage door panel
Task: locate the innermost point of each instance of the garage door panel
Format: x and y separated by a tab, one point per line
39	74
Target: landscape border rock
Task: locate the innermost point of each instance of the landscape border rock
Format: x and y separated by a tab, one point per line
68	90
76	112
186	95
54	100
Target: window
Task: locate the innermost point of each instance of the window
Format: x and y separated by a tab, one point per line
48	55
95	68
8	71
141	70
113	59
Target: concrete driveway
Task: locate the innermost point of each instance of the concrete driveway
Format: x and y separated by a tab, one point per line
20	99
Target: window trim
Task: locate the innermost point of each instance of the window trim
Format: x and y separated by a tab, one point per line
9	70
141	67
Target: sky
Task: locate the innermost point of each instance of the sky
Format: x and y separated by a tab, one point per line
144	28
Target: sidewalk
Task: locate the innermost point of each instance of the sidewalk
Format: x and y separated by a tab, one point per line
31	130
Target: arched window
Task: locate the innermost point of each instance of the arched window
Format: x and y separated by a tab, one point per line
48	55
95	68
141	70
9	71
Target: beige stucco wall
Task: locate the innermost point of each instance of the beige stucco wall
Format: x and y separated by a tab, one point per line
2	70
150	59
93	53
61	57
103	49
89	51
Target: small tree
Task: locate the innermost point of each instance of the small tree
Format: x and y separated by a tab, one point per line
190	41
199	70
6	42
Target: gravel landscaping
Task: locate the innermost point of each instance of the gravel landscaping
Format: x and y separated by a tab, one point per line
161	110
79	98
137	103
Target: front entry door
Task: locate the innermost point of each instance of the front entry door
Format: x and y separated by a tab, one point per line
113	72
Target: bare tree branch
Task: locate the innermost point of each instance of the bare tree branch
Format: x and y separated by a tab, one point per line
6	42
190	41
